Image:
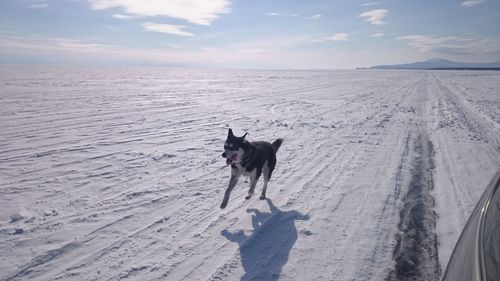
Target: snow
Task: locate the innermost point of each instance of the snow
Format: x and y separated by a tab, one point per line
111	173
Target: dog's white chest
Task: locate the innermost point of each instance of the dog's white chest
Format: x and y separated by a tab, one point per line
248	174
240	170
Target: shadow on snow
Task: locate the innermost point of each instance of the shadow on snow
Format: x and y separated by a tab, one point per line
265	251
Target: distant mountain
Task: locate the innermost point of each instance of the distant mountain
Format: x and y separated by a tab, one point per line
440	64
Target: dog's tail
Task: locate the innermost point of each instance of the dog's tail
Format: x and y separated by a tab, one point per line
276	144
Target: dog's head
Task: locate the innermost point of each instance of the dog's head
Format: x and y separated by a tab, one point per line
234	147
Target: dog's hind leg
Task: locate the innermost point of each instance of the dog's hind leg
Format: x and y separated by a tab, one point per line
264	188
267	171
253	182
232	183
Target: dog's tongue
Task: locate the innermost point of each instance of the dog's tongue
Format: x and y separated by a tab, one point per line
231	159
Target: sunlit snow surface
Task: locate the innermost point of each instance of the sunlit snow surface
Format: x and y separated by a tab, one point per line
116	173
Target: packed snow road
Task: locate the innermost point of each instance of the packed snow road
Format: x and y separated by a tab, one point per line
116	173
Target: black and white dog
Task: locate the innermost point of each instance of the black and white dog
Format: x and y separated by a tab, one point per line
249	159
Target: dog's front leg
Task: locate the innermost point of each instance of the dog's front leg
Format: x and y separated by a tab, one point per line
232	183
253	183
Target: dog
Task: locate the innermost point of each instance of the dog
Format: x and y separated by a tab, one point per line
249	159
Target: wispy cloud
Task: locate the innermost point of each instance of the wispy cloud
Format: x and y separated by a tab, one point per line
316	17
335	37
124	17
338	37
166	28
378	35
75	50
276	14
270	44
263	53
471	3
41	44
200	12
38	6
451	44
370	4
175	46
79	45
427	43
256	50
375	16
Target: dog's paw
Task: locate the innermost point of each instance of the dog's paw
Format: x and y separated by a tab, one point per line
223	205
262	197
248	196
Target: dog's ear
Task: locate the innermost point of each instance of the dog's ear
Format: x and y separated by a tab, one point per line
230	133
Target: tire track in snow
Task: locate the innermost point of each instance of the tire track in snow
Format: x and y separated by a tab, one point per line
400	109
416	250
354	156
461	132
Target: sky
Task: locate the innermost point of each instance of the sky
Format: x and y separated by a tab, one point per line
255	34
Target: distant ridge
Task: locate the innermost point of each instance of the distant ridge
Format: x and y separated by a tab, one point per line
435	63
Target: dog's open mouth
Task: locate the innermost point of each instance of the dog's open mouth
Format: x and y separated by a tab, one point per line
229	160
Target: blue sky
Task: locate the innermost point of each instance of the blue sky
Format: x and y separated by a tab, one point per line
248	34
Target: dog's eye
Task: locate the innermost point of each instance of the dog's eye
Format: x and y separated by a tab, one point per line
230	146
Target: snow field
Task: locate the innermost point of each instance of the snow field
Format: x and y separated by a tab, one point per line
116	173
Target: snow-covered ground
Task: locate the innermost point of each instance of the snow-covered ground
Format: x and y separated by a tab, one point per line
116	173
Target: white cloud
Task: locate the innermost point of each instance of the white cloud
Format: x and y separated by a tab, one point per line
471	3
269	44
175	46
269	53
256	50
316	17
451	45
375	16
209	49
39	6
40	44
247	55
124	17
166	28
338	37
335	37
79	45
370	4
200	12
427	43
275	14
378	35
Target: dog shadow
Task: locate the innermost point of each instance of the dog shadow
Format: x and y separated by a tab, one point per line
265	251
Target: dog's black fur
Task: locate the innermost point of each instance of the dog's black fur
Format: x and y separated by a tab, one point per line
250	159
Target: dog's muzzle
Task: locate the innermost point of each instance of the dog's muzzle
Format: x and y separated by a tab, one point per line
229	159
